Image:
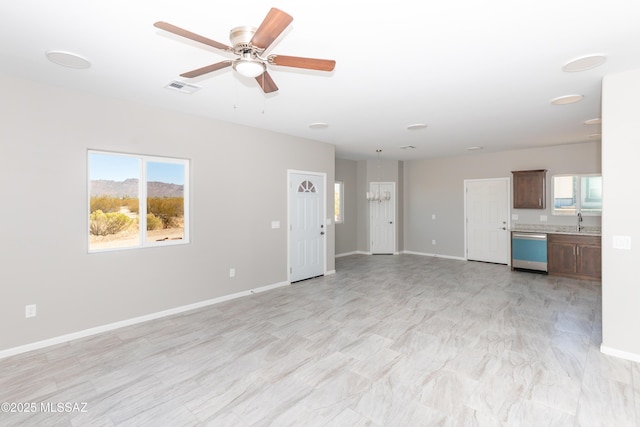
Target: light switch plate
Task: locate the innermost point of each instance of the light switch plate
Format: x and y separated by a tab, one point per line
30	310
275	224
622	242
543	218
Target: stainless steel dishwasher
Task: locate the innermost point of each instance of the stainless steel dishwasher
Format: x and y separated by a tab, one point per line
529	251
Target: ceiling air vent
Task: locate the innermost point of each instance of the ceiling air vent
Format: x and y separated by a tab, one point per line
182	87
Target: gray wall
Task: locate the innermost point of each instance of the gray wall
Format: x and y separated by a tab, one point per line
239	185
347	232
436	186
621	204
353	235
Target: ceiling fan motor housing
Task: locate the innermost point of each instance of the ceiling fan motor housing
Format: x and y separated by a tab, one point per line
241	39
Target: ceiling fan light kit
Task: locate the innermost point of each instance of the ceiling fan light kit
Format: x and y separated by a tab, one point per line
249	67
248	44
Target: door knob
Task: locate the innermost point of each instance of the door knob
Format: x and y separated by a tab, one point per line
322	233
390	222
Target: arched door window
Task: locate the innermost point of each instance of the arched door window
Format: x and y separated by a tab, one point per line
306	187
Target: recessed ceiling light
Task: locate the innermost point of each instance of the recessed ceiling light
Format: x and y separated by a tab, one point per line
67	59
597	121
319	125
474	148
584	63
416	126
567	99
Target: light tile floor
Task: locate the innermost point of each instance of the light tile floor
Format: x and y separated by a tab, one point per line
386	341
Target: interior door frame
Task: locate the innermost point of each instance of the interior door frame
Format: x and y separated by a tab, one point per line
508	212
323	208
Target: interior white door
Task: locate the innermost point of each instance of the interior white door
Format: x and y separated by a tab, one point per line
383	219
487	211
306	226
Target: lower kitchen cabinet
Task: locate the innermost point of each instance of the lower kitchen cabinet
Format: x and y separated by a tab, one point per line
576	256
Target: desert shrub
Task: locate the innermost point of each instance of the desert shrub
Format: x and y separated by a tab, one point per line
113	204
131	204
103	224
168	209
153	222
105	204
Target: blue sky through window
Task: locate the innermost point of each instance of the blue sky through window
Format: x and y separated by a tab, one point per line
118	168
171	173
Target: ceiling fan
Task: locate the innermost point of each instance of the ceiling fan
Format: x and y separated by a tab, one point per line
248	44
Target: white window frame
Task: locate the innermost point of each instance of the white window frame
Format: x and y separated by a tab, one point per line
142	200
340	189
578	196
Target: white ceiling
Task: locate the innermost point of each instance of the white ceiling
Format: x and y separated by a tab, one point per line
477	73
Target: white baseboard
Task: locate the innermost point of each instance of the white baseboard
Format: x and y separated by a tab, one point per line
434	255
352	253
619	353
403	252
121	324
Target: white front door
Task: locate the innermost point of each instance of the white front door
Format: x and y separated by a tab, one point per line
307	230
383	218
487	212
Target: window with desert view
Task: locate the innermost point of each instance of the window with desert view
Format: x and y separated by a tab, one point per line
137	201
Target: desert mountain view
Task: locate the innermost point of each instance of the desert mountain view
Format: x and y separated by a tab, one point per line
129	188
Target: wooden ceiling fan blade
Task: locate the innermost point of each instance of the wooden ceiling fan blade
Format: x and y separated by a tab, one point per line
273	25
266	83
207	69
188	34
299	62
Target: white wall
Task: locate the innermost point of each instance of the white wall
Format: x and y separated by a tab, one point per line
238	182
621	211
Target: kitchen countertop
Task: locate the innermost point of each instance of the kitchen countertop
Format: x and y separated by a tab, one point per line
557	229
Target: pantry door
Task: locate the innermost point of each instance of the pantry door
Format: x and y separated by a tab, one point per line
383	218
487	214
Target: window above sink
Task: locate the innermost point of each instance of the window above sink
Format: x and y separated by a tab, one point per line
577	193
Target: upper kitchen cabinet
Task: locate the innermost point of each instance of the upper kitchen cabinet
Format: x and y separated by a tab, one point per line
529	189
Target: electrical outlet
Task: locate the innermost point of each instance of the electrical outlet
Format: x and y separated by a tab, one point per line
30	311
433	216
433	242
232	272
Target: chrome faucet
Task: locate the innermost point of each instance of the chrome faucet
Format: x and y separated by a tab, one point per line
580	227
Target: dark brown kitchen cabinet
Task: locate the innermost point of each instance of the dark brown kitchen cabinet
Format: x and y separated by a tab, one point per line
529	189
575	256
